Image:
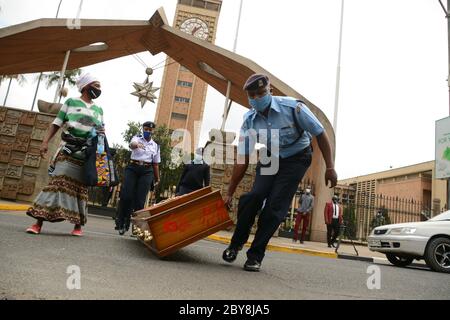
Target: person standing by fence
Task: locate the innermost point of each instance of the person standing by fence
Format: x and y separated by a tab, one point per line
306	205
333	219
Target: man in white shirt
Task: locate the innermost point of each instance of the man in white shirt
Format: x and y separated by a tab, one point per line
139	176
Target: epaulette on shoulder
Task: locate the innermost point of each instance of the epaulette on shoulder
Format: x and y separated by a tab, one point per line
287	102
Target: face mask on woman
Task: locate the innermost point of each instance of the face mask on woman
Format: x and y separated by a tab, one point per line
93	92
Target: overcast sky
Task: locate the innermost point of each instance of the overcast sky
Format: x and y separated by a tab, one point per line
393	70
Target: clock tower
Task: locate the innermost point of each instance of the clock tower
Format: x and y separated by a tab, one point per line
182	97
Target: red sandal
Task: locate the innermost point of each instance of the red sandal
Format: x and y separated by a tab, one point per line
34	229
77	232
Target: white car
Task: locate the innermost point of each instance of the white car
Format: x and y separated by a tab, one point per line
404	242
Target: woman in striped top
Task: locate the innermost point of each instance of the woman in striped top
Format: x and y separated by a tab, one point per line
66	196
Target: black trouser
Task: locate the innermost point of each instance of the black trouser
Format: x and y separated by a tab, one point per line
278	191
137	182
333	231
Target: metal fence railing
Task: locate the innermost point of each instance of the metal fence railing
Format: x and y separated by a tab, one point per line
367	211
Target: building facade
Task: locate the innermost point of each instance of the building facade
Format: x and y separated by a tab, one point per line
182	98
416	182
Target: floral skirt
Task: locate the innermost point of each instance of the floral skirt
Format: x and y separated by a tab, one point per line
66	196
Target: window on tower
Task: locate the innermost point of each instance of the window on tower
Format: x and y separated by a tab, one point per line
186	84
179	116
199	3
185	2
182	99
213	6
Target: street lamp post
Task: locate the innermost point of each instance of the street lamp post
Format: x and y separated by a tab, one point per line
447	16
228	102
40	75
338	72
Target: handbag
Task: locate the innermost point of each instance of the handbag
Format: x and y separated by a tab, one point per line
99	168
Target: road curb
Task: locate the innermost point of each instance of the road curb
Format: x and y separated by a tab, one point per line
376	260
14	207
270	247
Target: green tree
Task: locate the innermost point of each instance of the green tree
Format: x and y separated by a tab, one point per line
381	218
134	128
70	76
170	172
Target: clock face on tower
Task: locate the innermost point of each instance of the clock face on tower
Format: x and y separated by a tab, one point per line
196	27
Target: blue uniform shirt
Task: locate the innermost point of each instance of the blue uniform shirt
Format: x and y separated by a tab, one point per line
257	128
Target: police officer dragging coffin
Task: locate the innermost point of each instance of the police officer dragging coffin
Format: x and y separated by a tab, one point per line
139	175
286	126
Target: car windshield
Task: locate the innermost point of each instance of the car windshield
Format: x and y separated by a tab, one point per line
442	217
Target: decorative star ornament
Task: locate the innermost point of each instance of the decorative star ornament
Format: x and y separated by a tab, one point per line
145	92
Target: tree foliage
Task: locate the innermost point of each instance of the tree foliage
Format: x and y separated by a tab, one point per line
70	76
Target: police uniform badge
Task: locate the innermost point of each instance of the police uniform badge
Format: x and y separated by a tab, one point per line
298	108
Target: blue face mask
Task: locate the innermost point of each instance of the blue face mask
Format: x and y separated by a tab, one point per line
147	135
260	104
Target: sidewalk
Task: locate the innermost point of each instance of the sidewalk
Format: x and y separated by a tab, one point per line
311	248
6	205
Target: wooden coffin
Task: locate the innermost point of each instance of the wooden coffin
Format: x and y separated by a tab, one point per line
176	223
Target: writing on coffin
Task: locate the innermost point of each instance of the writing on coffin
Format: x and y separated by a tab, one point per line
181	224
211	215
214	214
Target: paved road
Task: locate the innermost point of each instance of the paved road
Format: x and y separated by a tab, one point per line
114	267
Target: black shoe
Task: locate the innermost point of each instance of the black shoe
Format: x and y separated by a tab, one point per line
301	241
121	231
252	265
329	246
230	254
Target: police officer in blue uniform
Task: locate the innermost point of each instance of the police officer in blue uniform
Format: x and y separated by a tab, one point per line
286	126
140	174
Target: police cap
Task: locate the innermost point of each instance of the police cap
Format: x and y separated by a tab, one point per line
149	124
256	81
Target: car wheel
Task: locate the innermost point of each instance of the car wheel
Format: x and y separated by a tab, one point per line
437	255
399	261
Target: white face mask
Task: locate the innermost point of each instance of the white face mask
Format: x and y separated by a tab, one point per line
198	158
